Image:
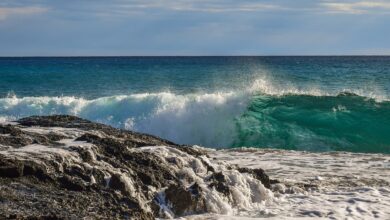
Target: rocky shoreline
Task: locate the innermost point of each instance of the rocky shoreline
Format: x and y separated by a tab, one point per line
65	167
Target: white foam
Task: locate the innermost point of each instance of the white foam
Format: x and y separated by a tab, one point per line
350	185
248	193
67	132
4	120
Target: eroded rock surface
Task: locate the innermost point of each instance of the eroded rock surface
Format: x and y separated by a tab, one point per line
64	167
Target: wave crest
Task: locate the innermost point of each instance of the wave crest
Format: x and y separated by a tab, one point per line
264	115
194	118
269	87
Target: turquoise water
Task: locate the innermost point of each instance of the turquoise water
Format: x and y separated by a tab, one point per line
303	103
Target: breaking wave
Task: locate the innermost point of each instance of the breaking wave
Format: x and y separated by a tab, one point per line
264	115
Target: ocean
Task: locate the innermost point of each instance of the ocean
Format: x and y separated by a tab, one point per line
327	103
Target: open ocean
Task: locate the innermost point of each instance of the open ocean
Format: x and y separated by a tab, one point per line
302	103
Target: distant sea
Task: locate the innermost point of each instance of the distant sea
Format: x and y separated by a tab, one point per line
302	103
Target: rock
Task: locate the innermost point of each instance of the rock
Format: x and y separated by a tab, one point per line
15	141
220	187
9	129
258	174
67	121
10	168
219	183
52	121
71	183
117	183
33	169
103	173
185	201
19	138
87	155
218	177
11	171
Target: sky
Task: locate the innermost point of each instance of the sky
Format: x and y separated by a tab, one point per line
194	27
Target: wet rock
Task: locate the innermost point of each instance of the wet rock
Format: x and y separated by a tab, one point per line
185	201
221	187
11	171
218	177
99	177
52	121
118	183
15	141
67	121
18	138
30	168
9	129
87	155
105	175
70	183
219	183
77	171
258	174
10	168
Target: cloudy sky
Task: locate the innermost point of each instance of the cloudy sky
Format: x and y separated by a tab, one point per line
194	27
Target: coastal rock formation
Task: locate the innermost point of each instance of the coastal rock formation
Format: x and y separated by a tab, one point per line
55	167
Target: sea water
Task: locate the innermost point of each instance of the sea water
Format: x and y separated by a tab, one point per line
300	103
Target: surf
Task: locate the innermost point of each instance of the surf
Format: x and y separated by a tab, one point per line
206	119
265	114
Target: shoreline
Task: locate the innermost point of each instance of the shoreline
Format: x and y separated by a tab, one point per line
74	168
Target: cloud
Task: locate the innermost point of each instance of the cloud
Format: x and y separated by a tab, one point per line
6	12
361	7
199	6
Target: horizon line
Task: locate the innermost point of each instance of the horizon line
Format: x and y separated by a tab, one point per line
296	55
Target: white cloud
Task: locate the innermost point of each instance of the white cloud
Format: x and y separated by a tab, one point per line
222	6
200	6
360	7
5	12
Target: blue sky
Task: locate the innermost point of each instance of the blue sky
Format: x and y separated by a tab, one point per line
189	27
